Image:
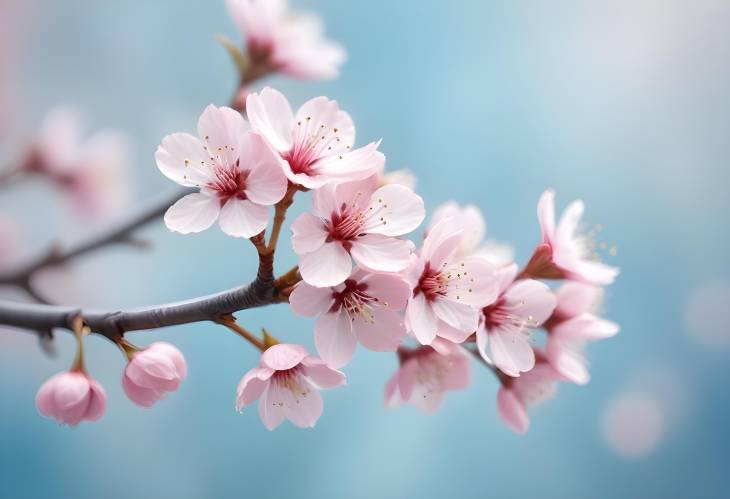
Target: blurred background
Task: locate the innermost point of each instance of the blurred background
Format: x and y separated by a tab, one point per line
622	103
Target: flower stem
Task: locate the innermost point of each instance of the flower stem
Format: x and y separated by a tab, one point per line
280	216
230	322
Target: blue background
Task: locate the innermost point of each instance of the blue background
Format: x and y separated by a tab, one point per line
624	104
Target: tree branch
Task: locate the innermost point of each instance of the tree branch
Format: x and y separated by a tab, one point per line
113	324
120	235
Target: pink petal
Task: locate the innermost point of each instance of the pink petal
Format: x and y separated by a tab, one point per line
574	298
531	300
452	334
242	218
427	397
407	378
567	362
308	233
394	210
512	411
270	412
46	399
271	116
482	342
586	326
458	376
441	243
321	374
173	354
506	276
221	130
392	396
182	159
355	195
357	164
309	301
329	265
421	319
380	253
283	356
390	290
472	281
97	402
72	397
252	386
151	370
266	183
511	350
192	213
546	216
597	273
303	409
334	338
383	331
456	314
144	397
569	221
322	117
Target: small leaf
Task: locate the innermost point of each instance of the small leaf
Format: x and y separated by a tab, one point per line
234	51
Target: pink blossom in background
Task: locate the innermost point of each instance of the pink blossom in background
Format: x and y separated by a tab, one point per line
633	424
355	219
92	170
315	144
152	372
426	374
517	394
239	176
564	251
572	326
279	40
403	176
362	309
9	241
470	220
506	324
448	291
287	384
71	397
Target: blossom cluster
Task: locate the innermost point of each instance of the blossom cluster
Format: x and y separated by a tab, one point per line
433	300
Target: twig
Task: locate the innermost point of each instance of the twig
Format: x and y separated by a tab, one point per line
280	216
230	322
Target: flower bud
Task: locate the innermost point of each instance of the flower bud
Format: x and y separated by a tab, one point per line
152	372
71	397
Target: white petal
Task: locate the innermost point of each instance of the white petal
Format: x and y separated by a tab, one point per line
266	183
242	218
421	319
192	213
329	265
221	130
308	233
272	117
394	210
335	339
381	253
308	300
182	159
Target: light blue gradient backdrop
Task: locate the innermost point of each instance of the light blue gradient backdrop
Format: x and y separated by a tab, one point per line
624	104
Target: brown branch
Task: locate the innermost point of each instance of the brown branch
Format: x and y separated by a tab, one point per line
113	324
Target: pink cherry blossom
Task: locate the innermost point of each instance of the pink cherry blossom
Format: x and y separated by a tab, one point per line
279	40
471	221
426	373
517	394
353	219
573	324
237	173
565	253
153	372
448	291
315	143
71	397
506	324
92	171
362	309
287	381
403	176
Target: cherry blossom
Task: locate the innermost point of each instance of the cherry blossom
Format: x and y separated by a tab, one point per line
517	394
287	381
573	324
426	374
362	309
279	40
153	372
354	219
315	144
505	325
448	291
92	170
471	221
403	176
565	253
71	397
237	173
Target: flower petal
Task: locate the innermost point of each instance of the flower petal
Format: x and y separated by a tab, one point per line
511	350
546	216
321	374
421	319
335	339
391	290
270	412
271	116
393	210
283	356
192	213
512	411
380	253
309	300
182	159
242	218
329	265
382	332
252	386
221	130
266	183
531	300
308	233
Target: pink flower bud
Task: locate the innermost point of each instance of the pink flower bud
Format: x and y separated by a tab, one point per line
71	397
152	372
